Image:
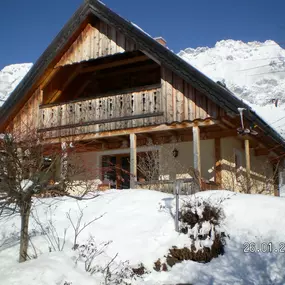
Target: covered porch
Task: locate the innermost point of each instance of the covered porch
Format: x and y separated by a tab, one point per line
115	159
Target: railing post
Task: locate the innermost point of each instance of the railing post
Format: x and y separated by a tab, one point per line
197	151
247	163
133	161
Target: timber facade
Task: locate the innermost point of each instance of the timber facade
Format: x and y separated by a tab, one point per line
106	86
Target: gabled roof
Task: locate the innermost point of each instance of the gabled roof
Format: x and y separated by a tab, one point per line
218	94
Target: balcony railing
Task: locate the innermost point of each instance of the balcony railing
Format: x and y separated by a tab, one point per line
106	108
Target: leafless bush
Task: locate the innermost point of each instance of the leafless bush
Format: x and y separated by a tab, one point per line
201	221
77	226
55	240
26	168
113	273
88	252
198	212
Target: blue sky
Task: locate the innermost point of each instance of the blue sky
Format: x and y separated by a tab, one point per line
27	27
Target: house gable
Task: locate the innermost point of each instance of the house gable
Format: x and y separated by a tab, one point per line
97	39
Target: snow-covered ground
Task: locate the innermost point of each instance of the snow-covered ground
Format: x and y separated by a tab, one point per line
253	71
141	227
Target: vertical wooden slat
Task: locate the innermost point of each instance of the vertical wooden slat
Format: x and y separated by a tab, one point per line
185	102
133	160
113	35
173	98
106	41
168	82
203	113
178	86
247	163
120	42
191	104
198	104
196	149
96	52
101	39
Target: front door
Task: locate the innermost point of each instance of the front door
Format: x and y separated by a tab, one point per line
116	170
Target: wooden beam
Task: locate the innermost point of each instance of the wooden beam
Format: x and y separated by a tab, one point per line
125	69
133	161
247	163
218	161
65	85
261	151
150	129
196	149
114	64
80	90
228	123
218	134
49	78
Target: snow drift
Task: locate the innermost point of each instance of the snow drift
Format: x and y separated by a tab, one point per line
141	226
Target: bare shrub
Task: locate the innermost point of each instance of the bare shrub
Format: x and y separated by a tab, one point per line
140	270
153	172
78	226
88	252
204	255
27	166
113	273
190	214
56	241
201	221
159	266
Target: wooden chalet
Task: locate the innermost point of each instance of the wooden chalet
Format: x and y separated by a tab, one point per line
105	83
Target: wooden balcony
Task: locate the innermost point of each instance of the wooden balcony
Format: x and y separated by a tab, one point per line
106	111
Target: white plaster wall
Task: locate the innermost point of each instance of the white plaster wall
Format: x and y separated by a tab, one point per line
260	167
181	164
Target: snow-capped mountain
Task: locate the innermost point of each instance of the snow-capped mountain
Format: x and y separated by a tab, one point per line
253	71
10	77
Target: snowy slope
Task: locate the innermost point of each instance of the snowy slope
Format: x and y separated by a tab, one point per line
10	77
140	224
254	71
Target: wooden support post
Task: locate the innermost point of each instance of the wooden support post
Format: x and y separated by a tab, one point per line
247	164
196	150
218	162
133	161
